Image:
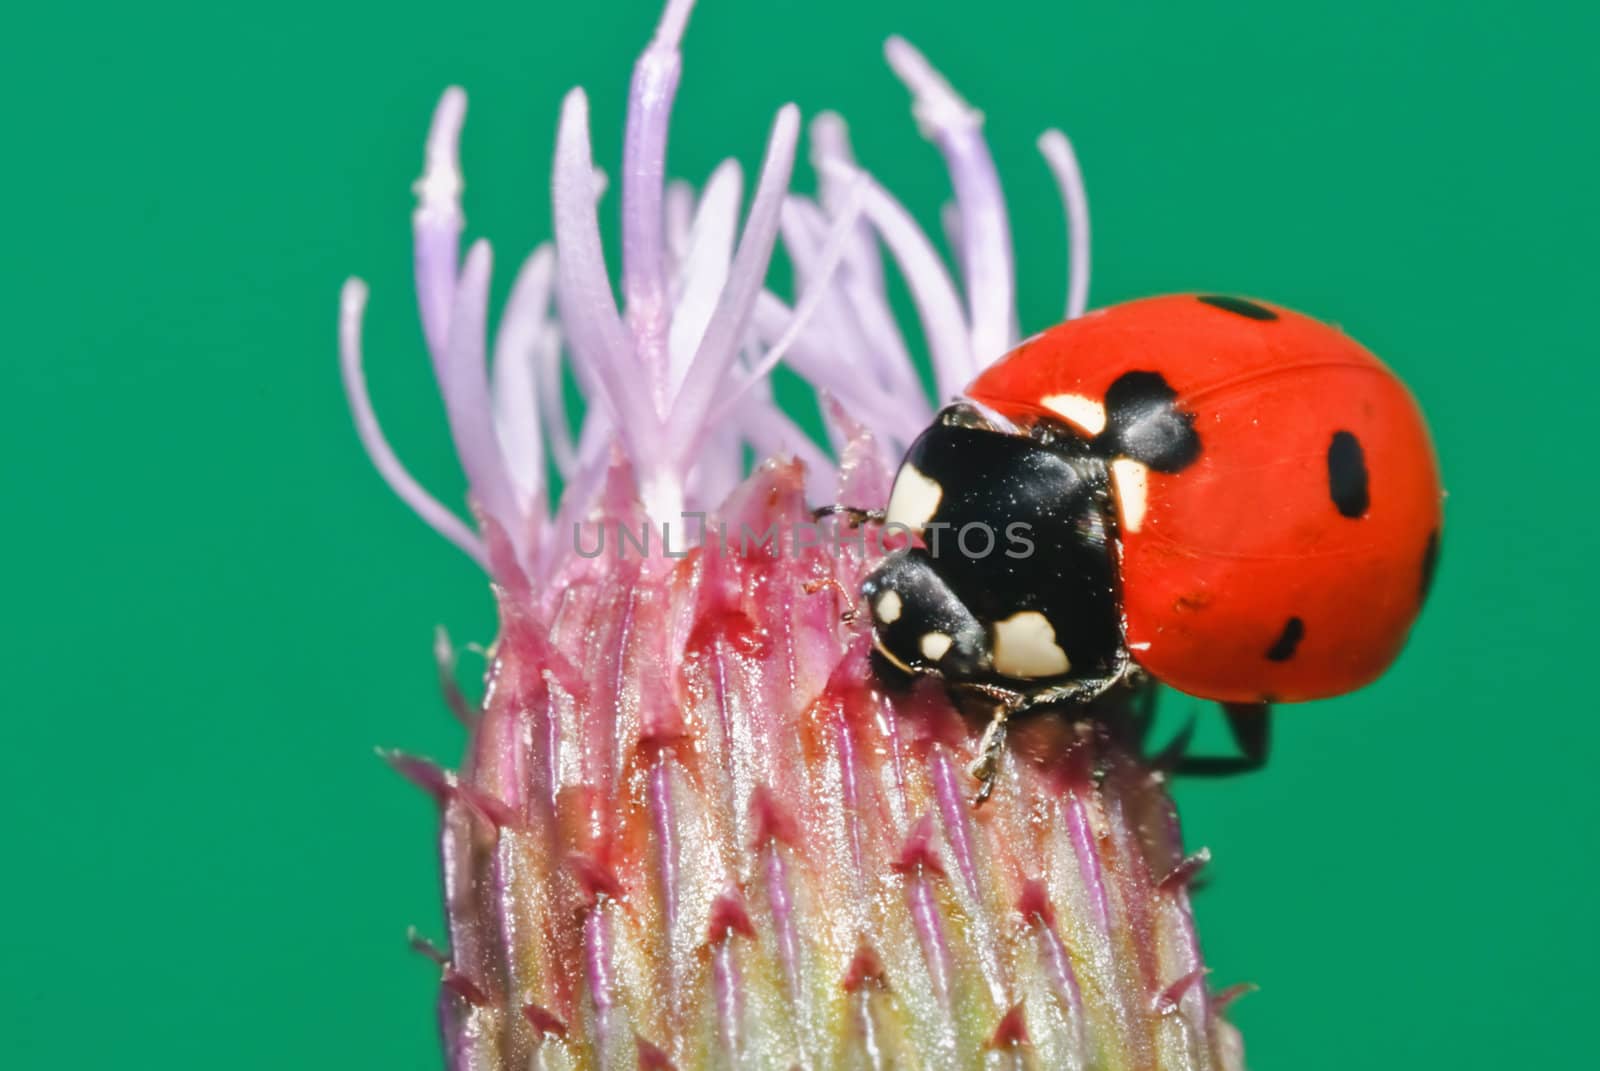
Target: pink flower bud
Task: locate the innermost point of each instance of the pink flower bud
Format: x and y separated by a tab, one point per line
693	827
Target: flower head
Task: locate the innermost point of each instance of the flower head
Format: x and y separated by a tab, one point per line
692	827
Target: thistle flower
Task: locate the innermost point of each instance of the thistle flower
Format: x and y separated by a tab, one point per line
692	828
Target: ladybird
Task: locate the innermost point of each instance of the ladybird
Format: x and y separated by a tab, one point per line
1234	499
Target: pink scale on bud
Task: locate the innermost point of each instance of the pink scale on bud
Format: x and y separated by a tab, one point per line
772	822
1034	903
729	919
917	853
544	1021
651	1057
1011	1031
424	773
594	877
866	969
1166	1001
465	988
1183	875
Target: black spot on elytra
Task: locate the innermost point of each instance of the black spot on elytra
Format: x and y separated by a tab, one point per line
1347	475
1143	422
1430	561
1248	309
1283	648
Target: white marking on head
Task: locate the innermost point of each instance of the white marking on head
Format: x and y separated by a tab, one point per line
934	645
888	607
914	500
1025	646
1130	481
1086	413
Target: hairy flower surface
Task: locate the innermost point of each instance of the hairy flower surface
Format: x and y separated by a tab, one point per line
693	828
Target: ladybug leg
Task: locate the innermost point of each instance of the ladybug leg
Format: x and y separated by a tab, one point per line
855	516
990	748
1251	725
1009	703
1083	692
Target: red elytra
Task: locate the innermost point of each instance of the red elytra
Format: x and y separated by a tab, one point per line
1251	574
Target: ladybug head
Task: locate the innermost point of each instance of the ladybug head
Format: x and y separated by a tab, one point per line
919	623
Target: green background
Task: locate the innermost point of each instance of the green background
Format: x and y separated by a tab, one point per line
215	609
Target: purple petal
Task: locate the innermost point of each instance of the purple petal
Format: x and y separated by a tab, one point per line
985	243
644	156
812	356
679	211
600	343
830	147
719	348
887	357
938	303
463	378
551	396
522	333
437	222
704	270
352	305
818	287
1063	163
